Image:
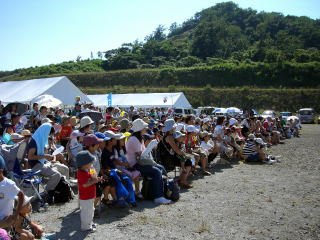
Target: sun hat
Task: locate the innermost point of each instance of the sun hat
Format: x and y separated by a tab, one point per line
85	121
251	136
205	120
2	163
124	123
102	136
178	134
192	128
46	120
110	134
84	158
25	133
76	133
138	125
232	121
169	124
91	139
16	136
120	136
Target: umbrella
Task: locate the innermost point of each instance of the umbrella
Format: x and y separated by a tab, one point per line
219	110
293	118
21	107
47	100
233	110
95	116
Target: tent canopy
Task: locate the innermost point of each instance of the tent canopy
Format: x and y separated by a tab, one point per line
143	100
25	91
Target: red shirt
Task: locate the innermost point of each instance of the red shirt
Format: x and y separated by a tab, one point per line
85	193
65	132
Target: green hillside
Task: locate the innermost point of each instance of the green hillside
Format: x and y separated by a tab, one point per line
222	46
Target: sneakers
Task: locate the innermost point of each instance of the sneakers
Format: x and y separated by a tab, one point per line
139	196
92	229
269	161
162	200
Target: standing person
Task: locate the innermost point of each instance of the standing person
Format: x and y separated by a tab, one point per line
87	180
135	147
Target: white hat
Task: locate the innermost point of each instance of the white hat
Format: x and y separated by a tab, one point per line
260	141
16	136
251	136
205	120
26	200
76	134
111	134
138	125
205	133
169	124
232	121
178	134
85	121
191	128
46	120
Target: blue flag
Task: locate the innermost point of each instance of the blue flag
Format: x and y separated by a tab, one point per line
109	99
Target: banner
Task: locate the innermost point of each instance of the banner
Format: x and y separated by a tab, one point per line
109	99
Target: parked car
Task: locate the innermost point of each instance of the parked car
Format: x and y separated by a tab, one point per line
269	113
182	111
306	115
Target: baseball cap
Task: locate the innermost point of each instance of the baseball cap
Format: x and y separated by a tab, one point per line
102	136
91	139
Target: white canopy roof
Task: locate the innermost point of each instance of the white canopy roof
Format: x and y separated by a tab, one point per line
25	91
143	100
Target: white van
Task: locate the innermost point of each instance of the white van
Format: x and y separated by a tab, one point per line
306	115
182	111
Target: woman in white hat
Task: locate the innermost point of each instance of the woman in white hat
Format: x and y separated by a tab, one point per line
135	147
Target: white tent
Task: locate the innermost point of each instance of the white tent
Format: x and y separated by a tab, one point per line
143	100
25	91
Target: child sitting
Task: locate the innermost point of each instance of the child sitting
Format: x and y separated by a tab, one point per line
24	228
87	179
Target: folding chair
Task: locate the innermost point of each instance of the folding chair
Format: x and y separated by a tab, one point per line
28	179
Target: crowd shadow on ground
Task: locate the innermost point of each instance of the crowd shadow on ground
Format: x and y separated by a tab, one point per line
70	226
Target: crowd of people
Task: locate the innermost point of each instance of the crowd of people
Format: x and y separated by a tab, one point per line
110	157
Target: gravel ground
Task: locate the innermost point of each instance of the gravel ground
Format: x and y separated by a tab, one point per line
244	201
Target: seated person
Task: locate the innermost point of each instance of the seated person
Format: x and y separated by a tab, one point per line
24	228
39	160
193	148
253	152
8	192
210	148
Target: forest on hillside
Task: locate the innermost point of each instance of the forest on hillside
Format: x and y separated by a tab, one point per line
220	45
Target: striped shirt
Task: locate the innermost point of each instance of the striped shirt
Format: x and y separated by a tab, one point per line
248	148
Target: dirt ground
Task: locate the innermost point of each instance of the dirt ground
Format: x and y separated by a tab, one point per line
281	201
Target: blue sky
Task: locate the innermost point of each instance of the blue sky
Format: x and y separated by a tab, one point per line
40	32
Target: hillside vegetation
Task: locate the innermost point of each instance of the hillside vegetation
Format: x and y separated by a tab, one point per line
221	45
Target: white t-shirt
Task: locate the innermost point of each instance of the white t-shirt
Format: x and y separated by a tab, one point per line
218	131
206	146
8	192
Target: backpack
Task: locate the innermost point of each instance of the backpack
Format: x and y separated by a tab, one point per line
171	189
62	193
147	189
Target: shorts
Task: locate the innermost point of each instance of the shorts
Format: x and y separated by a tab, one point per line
253	157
